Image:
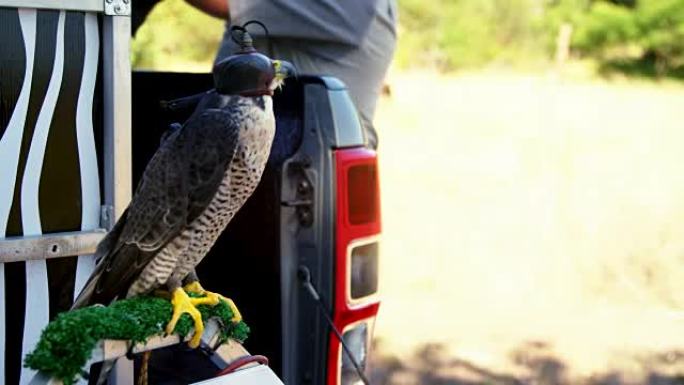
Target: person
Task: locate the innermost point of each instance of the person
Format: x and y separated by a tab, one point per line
353	40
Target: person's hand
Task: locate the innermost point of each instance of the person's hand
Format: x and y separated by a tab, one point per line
216	8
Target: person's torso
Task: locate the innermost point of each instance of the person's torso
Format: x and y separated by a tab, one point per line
335	21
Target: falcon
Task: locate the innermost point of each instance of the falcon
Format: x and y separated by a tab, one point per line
201	175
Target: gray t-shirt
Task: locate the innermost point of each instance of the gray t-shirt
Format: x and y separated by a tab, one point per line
353	40
334	21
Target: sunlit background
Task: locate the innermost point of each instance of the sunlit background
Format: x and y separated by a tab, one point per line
532	171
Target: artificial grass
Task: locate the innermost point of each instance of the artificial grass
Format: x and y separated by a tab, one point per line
66	343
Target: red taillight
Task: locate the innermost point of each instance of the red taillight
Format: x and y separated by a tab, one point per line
356	268
362	194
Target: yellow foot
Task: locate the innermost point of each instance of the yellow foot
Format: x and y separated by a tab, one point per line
212	299
194	287
184	304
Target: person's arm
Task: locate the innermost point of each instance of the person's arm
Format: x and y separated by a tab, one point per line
216	8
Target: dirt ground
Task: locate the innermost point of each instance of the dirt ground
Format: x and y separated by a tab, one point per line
533	231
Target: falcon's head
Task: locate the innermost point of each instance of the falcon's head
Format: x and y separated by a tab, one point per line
250	74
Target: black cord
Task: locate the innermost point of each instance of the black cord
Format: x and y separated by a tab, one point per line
243	29
269	44
257	22
232	34
305	277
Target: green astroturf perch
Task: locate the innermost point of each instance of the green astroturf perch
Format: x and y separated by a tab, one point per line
67	342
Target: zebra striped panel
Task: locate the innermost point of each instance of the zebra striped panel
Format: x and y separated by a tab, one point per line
49	180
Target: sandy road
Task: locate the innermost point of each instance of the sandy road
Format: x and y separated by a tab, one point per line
527	217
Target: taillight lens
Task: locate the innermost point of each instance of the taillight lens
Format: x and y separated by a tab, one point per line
363	274
357	339
356	267
362	194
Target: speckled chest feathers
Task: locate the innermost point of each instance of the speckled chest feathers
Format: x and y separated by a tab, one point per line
254	122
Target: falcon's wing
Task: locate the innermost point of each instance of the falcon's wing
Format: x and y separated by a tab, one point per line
177	185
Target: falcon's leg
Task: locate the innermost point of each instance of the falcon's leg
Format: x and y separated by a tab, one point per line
192	285
184	304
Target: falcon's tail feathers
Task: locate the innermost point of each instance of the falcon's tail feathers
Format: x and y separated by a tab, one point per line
104	249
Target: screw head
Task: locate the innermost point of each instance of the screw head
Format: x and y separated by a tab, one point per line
305	216
303	187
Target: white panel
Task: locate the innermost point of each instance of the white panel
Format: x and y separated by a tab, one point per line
11	140
9	155
37	292
257	375
90	182
122	373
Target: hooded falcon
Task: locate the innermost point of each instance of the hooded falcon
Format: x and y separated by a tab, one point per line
200	176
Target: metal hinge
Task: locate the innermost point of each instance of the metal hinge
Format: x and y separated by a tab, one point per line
117	7
303	202
107	217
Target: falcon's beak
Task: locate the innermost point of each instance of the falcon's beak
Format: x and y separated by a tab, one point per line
283	69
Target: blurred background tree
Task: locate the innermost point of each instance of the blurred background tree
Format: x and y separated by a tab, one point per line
641	37
176	37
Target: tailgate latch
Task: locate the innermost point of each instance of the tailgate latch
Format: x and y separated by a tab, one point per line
303	202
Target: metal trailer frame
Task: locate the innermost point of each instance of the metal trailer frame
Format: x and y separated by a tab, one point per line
117	133
116	76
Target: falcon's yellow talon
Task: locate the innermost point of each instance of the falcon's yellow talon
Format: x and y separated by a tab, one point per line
184	304
194	287
212	299
237	317
215	298
206	300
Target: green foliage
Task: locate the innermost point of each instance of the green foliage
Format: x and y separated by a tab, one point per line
649	34
622	34
451	34
637	36
555	14
66	343
603	26
176	36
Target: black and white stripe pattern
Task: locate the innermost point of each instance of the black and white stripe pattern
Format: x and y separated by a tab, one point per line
49	178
